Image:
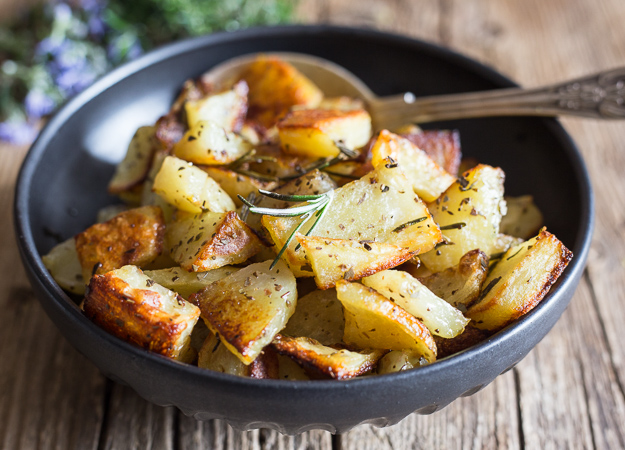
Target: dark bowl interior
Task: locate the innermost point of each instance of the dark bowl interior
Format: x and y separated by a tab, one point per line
63	183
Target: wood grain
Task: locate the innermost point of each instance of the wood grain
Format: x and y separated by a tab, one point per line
568	393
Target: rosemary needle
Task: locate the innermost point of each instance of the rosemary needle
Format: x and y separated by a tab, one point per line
316	205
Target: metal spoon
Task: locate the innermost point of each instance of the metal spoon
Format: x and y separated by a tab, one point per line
599	96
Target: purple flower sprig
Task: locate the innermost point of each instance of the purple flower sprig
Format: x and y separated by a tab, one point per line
77	46
62	46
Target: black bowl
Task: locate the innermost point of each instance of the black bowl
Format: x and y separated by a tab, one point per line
63	183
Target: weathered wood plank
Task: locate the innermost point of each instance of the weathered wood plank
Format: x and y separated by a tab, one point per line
133	423
587	353
416	18
217	435
487	419
50	396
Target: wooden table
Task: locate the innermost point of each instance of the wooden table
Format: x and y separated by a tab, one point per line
568	393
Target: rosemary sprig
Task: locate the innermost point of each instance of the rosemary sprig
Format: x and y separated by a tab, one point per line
316	205
345	154
454	226
251	157
408	224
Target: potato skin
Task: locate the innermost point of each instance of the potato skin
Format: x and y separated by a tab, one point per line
132	237
340	364
519	281
134	315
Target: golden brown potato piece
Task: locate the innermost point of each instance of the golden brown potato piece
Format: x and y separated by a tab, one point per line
248	308
226	109
211	240
340	364
273	162
379	207
469	213
132	237
64	266
236	184
523	218
519	281
443	146
133	169
215	356
129	305
187	283
373	321
189	188
319	316
171	126
349	259
314	133
275	87
208	143
440	317
398	361
428	179
460	285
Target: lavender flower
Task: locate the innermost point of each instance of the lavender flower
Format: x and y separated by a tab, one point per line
75	79
82	39
18	133
38	104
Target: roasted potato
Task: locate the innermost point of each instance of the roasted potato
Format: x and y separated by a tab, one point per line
398	361
428	179
208	143
237	184
379	207
225	109
314	133
186	283
319	316
248	308
523	218
348	259
335	363
440	317
275	86
469	213
132	237
209	240
133	169
443	146
189	188
519	281
131	306
388	263
215	356
64	266
460	285
373	321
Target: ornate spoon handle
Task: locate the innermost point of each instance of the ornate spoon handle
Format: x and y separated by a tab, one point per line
600	96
